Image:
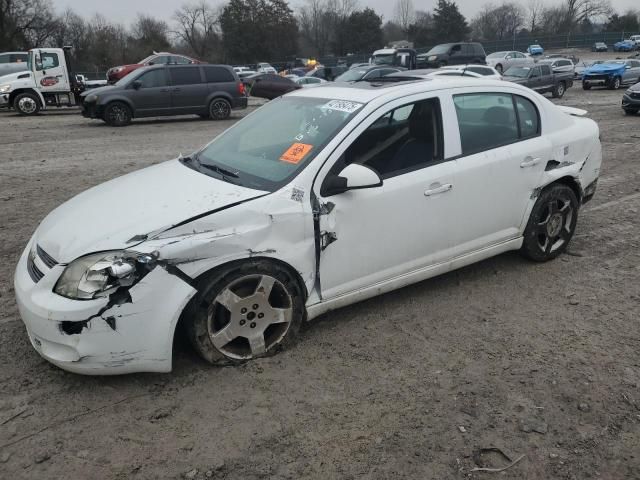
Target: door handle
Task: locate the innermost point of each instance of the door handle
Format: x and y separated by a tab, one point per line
437	188
530	162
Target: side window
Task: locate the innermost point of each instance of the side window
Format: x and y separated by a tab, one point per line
405	139
18	57
4	58
486	121
218	75
185	75
49	60
545	69
177	59
535	72
160	60
153	78
480	70
528	118
456	50
373	74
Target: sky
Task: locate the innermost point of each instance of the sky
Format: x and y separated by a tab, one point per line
125	10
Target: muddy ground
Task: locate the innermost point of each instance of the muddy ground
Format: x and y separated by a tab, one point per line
541	360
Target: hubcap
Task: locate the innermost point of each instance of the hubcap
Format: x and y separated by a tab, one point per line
560	89
27	105
118	114
250	316
554	230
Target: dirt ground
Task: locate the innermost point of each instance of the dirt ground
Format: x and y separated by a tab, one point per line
541	360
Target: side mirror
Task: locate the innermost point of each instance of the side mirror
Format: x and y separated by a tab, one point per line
352	177
137	84
151	63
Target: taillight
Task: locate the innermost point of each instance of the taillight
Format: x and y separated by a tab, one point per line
241	89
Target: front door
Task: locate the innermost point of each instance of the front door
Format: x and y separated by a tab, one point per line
503	159
381	233
51	74
153	96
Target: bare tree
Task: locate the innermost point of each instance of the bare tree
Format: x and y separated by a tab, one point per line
404	14
579	11
26	23
198	27
534	12
498	23
315	25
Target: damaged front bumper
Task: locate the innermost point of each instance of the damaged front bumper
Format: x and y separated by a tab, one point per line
81	336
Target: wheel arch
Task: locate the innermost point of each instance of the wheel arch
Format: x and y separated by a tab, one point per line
121	99
19	91
218	94
570	182
198	282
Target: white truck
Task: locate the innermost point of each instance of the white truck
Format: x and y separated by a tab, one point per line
46	83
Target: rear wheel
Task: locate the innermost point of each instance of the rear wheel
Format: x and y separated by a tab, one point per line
246	311
551	224
117	114
558	90
26	104
499	69
219	109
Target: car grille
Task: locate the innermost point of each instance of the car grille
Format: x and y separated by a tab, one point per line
596	77
634	94
34	272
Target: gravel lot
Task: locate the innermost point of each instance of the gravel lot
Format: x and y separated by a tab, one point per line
539	360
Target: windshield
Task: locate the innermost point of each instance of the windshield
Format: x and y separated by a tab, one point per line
520	72
383	59
439	49
130	76
148	59
352	75
258	152
497	55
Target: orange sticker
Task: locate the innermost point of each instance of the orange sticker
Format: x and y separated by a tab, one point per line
296	153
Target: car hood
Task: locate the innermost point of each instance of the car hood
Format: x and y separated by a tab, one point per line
12	77
98	90
635	88
604	68
127	210
514	79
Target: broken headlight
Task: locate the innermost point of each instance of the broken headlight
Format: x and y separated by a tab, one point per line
100	274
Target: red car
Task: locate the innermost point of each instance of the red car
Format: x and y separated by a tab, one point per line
116	73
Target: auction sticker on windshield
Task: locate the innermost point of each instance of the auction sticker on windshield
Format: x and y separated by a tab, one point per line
296	152
342	106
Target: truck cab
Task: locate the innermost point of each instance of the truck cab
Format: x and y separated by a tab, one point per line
47	82
397	57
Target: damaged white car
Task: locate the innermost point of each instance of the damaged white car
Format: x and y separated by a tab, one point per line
316	200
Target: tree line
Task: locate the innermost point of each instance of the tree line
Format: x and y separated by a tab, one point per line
247	31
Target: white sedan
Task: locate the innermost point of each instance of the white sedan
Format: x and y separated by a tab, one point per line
354	191
476	71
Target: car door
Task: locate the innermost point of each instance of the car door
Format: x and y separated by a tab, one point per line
377	234
51	74
503	157
189	91
152	96
632	72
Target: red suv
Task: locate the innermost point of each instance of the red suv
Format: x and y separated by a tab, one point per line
163	58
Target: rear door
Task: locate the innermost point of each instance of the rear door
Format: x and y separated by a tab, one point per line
502	161
221	81
189	91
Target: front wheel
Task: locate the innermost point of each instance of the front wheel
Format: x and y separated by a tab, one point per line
615	83
26	104
117	114
551	224
219	109
558	90
246	311
586	86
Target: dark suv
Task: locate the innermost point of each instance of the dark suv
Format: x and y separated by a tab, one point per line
210	91
453	54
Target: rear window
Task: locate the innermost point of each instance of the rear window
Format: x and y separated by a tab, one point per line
185	75
218	74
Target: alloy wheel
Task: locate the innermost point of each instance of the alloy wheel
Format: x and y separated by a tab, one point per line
220	109
250	317
27	105
554	230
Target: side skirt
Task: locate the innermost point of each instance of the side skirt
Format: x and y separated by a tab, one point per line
415	276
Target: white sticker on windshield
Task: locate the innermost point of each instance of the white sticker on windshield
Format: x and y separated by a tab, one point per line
342	106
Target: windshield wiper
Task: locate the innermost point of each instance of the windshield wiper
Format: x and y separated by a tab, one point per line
224	173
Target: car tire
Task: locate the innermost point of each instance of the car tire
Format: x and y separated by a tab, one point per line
551	224
245	311
26	104
117	114
558	90
499	69
219	109
586	86
630	111
615	83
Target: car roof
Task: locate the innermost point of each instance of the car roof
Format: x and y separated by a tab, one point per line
365	92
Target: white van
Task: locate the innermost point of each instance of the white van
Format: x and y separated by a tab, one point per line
635	39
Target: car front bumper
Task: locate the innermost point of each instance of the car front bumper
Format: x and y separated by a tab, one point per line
91	110
597	79
4	100
81	336
629	102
